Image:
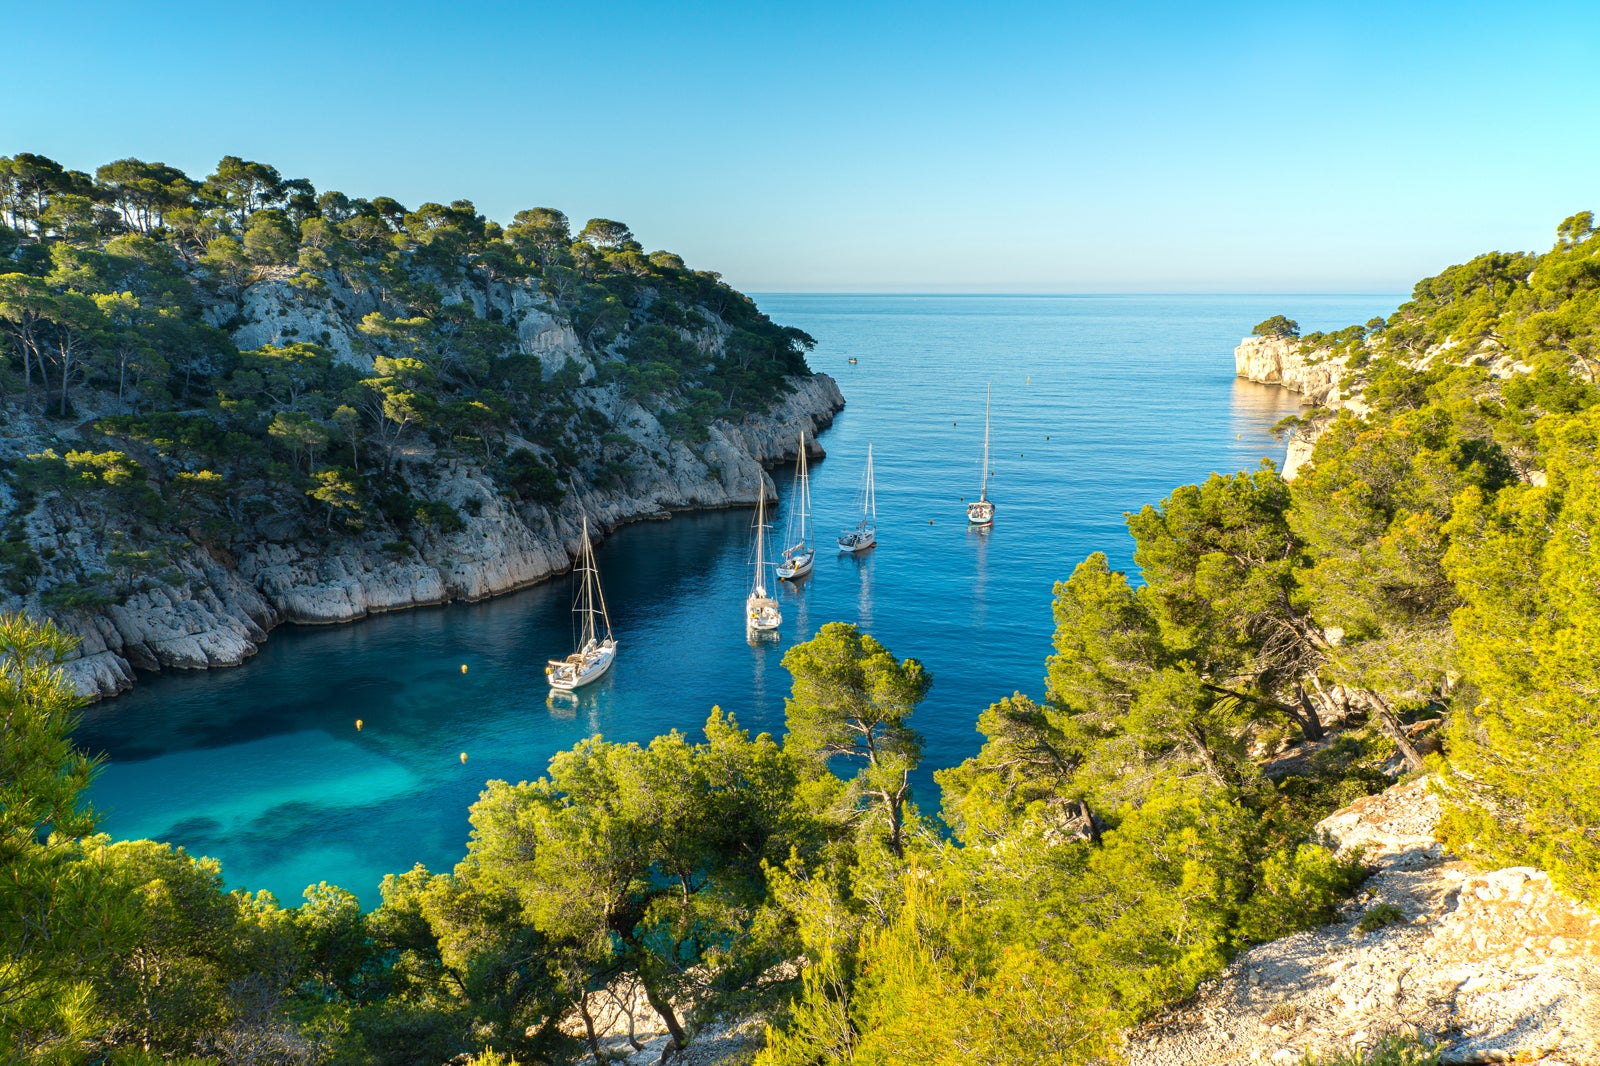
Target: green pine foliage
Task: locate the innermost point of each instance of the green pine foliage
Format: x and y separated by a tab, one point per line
121	291
1284	648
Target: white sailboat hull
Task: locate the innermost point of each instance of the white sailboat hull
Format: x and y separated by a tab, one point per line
796	565
857	540
980	513
761	614
583	667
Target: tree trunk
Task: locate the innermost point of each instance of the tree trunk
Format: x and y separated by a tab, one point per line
663	1006
1207	757
588	1028
897	823
1386	721
1310	725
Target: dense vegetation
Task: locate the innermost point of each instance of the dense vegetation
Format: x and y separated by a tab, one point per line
1425	595
121	292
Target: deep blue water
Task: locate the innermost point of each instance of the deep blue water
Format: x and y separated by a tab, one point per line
1101	404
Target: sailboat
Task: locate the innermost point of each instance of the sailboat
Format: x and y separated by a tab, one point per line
595	653
980	512
761	613
865	534
799	555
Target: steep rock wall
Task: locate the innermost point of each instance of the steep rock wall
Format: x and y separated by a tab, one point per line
1319	378
210	611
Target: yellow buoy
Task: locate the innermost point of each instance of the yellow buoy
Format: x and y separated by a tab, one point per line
1030	379
463	757
930	521
358	725
463	668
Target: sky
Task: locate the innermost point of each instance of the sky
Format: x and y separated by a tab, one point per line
998	147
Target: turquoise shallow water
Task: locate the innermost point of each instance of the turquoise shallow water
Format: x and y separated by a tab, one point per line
262	766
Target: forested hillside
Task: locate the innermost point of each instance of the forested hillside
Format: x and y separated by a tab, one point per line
231	381
1425	594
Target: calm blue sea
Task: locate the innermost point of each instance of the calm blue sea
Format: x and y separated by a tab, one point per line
1101	404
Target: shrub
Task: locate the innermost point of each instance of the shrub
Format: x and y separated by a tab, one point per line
1384	914
1389	1051
437	514
1297	890
531	479
1276	326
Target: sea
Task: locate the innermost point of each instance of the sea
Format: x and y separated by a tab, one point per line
339	754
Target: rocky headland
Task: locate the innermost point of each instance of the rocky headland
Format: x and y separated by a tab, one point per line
212	604
1330	382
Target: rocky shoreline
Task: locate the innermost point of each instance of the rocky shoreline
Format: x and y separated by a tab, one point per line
1328	383
219	610
1318	377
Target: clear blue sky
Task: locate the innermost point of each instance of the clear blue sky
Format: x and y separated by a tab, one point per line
1276	146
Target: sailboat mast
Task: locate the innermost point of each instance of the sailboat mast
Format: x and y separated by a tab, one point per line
803	501
586	596
761	525
599	594
872	495
984	495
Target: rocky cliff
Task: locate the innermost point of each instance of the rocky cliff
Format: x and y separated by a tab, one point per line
1317	376
1331	384
213	611
618	452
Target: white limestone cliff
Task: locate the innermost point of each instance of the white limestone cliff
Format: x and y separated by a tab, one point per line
212	612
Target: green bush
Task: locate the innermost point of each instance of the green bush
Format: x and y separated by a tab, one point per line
1276	326
1296	890
437	514
1384	914
531	479
1389	1051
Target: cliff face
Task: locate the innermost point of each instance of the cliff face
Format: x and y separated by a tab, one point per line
1279	361
1319	378
1328	381
617	460
216	611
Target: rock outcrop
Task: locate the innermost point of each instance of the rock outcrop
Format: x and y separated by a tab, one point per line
1328	381
1281	361
1319	377
1492	966
207	612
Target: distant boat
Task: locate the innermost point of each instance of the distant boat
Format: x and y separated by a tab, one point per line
980	512
801	553
595	654
761	614
852	360
865	534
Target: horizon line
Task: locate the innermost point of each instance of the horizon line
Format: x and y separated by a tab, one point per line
1090	294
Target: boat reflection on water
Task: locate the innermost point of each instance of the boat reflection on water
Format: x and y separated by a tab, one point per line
980	536
864	563
795	592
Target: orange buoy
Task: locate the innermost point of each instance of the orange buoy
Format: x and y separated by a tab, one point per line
463	758
358	725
